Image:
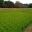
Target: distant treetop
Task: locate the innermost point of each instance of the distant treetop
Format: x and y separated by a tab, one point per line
1	1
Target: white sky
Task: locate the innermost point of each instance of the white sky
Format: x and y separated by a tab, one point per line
22	1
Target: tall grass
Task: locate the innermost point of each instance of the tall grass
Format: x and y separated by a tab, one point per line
15	20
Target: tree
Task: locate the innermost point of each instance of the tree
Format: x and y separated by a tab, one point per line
1	1
8	4
18	4
30	5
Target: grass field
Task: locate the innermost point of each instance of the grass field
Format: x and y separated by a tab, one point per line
14	20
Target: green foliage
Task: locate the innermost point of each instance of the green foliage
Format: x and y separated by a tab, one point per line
30	5
1	1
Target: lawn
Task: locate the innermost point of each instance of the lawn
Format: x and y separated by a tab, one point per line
15	20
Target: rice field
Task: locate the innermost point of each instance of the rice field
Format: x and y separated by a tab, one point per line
15	19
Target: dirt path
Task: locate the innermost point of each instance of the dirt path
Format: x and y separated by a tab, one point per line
28	29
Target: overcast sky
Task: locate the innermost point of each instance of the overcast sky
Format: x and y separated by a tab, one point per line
22	1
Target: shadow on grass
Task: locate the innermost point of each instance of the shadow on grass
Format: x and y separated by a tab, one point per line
25	26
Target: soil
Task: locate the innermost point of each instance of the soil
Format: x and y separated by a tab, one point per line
28	29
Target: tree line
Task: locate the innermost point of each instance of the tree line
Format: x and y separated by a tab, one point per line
10	4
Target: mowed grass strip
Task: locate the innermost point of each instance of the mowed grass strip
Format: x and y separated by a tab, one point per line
12	19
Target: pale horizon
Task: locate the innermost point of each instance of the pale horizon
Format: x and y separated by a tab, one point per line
22	1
